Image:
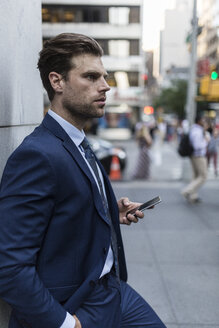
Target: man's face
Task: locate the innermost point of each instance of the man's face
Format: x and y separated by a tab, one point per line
84	91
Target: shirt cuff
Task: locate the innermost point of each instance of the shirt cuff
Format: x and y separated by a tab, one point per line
69	321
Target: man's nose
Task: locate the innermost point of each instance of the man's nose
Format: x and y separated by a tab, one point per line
104	85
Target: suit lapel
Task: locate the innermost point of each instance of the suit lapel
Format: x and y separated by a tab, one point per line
69	145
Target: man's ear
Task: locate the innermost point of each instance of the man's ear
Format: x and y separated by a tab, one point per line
56	81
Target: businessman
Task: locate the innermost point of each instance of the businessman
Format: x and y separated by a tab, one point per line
62	262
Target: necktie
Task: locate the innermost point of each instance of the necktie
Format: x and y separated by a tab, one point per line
90	157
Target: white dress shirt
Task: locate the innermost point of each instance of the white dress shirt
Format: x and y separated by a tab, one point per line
77	137
198	140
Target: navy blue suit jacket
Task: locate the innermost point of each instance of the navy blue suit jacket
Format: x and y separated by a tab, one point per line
54	234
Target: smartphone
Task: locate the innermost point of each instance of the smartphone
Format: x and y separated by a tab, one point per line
146	205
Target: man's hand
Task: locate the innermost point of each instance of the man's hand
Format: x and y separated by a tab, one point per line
77	322
125	205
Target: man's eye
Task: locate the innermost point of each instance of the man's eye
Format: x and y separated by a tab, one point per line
91	77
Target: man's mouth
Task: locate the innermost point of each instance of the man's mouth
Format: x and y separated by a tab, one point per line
101	101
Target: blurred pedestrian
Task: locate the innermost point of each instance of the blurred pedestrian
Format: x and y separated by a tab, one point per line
199	140
212	148
62	262
162	128
144	141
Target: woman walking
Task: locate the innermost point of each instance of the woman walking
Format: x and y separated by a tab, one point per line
144	140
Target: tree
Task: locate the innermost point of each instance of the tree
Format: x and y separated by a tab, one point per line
173	99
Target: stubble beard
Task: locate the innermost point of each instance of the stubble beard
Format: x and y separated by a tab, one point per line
83	111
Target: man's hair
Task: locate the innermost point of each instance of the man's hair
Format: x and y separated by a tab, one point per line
57	53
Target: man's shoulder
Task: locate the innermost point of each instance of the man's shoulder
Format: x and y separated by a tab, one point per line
40	142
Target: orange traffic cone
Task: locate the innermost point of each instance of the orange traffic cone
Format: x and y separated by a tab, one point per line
115	172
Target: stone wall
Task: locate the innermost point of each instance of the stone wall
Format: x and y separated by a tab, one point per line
21	100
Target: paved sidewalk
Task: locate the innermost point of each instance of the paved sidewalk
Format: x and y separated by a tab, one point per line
173	253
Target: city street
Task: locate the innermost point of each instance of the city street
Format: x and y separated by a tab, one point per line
173	253
110	69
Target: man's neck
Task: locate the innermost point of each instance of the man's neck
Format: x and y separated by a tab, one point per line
66	115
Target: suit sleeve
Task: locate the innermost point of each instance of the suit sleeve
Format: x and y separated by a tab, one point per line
27	195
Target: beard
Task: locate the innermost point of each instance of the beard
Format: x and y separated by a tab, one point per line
83	111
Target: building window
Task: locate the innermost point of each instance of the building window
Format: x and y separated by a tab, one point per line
123	79
69	16
45	15
80	13
119	15
91	16
133	79
134	48
77	14
104	46
58	14
111	79
119	48
95	14
134	16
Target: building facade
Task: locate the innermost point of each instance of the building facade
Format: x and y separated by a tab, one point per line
208	41
174	54
208	58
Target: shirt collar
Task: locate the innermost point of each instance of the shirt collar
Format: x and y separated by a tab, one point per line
74	133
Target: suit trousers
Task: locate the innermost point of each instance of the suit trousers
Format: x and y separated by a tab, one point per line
114	304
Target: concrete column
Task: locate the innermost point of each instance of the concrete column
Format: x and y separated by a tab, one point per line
21	101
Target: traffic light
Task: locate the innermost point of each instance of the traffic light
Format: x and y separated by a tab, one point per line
214	75
145	79
204	85
214	72
209	84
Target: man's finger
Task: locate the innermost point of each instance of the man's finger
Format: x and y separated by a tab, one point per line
139	214
125	201
132	218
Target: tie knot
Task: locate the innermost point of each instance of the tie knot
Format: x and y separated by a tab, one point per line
87	149
85	144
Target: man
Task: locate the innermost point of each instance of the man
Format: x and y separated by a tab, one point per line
199	141
62	262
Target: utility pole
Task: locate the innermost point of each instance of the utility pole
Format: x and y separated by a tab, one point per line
191	89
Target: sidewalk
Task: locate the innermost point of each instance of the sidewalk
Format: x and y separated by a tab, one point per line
172	254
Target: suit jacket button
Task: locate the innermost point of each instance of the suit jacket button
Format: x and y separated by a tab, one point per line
104	250
92	283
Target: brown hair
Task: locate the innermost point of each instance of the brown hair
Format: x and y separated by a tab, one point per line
57	53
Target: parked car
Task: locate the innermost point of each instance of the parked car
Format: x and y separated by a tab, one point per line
105	150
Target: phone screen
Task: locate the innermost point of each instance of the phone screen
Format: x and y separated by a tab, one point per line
145	205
